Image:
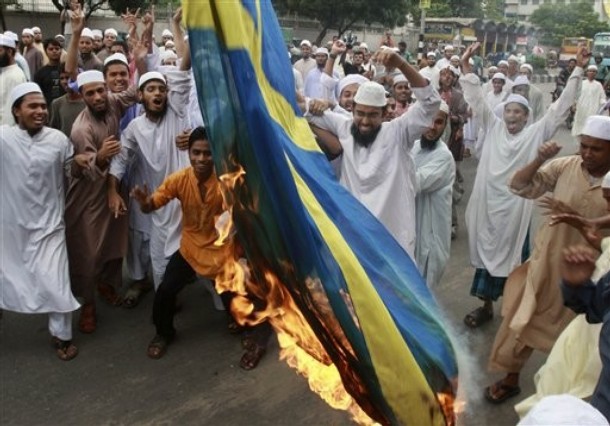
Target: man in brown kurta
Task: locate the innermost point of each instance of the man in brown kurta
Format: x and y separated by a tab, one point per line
97	239
533	311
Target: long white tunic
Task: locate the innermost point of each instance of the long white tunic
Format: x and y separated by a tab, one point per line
34	275
432	74
154	143
382	175
496	219
592	96
435	171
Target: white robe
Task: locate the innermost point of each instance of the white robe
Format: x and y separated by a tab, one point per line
34	274
154	143
435	171
382	175
497	220
432	74
592	96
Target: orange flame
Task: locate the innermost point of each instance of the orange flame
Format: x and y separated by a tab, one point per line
299	346
451	407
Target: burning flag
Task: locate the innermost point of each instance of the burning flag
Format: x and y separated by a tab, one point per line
347	302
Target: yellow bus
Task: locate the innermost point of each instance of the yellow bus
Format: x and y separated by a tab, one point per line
569	47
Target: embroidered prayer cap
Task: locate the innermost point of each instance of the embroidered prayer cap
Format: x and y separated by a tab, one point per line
592	68
116	57
27	31
97	33
111	31
399	78
23	89
86	33
166	33
527	67
514	98
91	76
7	41
151	75
444	107
597	126
322	51
499	76
521	80
558	410
305	43
371	94
349	79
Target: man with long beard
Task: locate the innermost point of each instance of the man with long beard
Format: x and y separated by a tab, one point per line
376	163
435	176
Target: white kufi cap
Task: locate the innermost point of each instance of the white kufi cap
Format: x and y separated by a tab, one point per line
36	30
444	107
27	31
305	43
515	98
111	31
399	78
454	58
348	80
513	58
152	75
168	55
521	80
597	126
502	62
23	89
499	76
116	57
606	181
527	67
166	33
322	51
91	76
371	94
449	47
592	68
564	409
6	41
86	33
13	36
430	55
97	33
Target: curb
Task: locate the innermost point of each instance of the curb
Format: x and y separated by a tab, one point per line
543	78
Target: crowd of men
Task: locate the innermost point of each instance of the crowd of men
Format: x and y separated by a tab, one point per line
106	162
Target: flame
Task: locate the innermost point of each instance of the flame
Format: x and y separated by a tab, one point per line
451	407
299	346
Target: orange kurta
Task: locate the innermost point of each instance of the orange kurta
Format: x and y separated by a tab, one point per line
198	220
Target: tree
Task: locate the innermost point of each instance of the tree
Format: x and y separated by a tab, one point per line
89	6
557	21
342	15
119	6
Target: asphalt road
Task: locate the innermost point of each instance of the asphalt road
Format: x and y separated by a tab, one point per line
112	382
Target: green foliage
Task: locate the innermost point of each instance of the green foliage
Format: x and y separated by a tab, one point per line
537	62
451	9
558	21
493	9
342	15
119	6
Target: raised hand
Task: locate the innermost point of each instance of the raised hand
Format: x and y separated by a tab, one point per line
388	58
338	48
582	57
548	150
577	265
177	18
111	146
77	17
182	140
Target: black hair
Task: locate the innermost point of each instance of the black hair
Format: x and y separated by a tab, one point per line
199	134
402	43
121	43
51	42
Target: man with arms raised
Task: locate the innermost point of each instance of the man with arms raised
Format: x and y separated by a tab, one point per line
376	163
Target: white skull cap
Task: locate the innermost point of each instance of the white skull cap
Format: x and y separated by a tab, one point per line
23	89
371	94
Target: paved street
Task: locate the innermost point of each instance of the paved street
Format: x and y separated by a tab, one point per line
199	381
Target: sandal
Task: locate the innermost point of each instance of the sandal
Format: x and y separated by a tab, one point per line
158	346
64	349
500	392
135	293
252	357
478	317
87	323
109	294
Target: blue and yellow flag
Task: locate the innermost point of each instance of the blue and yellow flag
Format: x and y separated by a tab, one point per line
295	219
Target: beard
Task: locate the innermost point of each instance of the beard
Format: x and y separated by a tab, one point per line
428	144
4	61
364	139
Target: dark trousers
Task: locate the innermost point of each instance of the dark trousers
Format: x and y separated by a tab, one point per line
178	274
